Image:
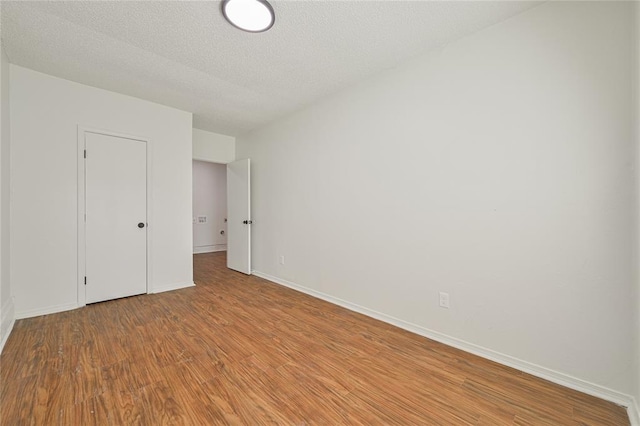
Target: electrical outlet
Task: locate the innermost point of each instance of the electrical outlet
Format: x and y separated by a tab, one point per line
444	300
282	259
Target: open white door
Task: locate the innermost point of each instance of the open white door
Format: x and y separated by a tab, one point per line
239	216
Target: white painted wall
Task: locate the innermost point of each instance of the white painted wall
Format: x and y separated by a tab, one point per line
45	114
6	298
497	169
213	147
209	200
637	211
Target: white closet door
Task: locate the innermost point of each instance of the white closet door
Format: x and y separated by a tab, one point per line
116	217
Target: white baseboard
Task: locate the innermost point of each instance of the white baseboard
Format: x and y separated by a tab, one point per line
70	306
171	287
209	249
46	311
536	370
634	412
6	322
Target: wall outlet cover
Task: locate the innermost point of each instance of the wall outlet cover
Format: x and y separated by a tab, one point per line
444	300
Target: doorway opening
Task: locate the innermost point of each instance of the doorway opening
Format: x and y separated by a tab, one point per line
222	211
209	207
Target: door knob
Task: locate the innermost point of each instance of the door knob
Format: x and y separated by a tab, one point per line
141	225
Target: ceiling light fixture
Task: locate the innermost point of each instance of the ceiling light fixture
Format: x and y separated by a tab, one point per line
254	16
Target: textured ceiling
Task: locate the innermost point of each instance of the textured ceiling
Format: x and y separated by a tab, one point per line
185	55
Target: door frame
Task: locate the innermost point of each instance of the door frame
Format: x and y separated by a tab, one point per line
228	218
82	242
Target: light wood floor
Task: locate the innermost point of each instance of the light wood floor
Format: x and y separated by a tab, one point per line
241	350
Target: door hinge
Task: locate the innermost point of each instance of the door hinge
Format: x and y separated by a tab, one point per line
85	153
85	280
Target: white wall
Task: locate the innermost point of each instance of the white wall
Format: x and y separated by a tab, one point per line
6	297
497	169
637	212
213	147
209	200
45	114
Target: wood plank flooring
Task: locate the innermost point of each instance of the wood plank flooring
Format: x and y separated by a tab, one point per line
240	350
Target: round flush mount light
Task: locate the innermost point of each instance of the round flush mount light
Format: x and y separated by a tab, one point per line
254	16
